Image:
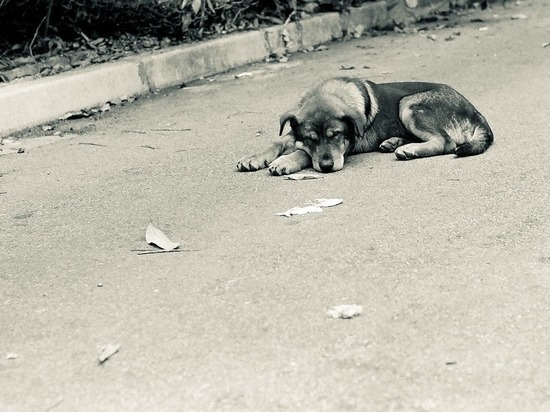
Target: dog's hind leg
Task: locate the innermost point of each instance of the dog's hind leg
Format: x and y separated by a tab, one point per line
290	163
389	145
426	124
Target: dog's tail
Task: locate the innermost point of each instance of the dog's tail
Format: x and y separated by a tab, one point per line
479	141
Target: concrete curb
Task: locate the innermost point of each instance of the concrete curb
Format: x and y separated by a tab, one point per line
28	104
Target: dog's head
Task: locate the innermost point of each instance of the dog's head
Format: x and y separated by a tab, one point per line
325	131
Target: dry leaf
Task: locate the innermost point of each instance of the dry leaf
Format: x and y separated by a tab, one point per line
344	311
156	237
301	211
107	351
241	75
303	176
327	202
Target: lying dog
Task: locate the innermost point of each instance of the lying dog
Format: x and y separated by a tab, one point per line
343	116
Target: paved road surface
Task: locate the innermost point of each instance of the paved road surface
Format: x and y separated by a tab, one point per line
450	258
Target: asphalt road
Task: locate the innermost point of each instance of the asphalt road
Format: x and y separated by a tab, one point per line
450	258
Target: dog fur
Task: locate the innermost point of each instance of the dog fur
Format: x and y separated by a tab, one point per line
343	116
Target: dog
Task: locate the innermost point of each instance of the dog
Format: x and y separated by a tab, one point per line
343	116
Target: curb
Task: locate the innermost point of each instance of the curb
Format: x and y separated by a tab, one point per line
27	104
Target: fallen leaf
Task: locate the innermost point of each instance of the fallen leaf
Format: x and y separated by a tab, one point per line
74	115
156	237
283	59
432	37
327	202
107	351
11	356
242	75
47	127
315	207
347	67
547	44
344	311
321	48
518	17
303	176
301	210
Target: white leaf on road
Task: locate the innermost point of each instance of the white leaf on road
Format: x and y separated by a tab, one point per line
107	351
303	176
327	202
301	211
242	75
314	207
344	311
156	237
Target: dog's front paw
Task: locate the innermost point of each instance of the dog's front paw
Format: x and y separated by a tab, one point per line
406	152
252	163
284	165
389	145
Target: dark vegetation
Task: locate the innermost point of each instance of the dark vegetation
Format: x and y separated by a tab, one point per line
42	24
43	37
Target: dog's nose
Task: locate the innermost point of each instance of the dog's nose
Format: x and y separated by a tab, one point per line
326	165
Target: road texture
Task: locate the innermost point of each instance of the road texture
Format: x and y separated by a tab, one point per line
450	258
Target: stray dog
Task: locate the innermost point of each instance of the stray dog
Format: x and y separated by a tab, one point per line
343	116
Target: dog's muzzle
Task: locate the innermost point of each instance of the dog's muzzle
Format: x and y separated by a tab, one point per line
326	166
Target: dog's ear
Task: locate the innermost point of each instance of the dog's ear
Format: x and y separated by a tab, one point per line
357	121
288	117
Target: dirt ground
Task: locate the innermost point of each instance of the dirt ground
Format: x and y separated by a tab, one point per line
450	258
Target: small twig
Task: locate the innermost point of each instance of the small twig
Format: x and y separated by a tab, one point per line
170	130
92	144
48	17
289	17
153	252
146	146
55	404
86	39
134	131
34	38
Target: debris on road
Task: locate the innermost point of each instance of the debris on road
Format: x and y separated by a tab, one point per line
107	351
242	75
75	115
328	202
301	211
518	17
156	237
314	207
345	311
432	37
11	356
303	176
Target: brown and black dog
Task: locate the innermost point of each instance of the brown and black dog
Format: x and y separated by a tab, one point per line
343	116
